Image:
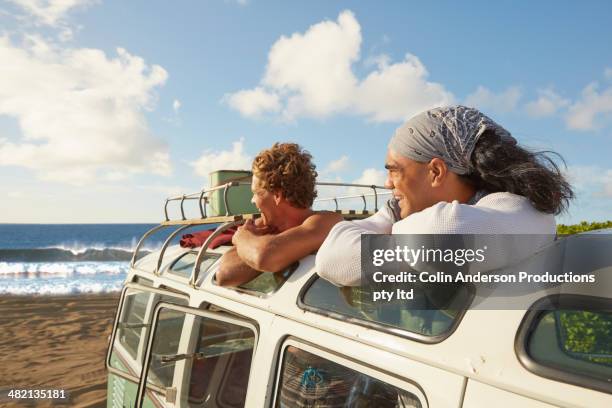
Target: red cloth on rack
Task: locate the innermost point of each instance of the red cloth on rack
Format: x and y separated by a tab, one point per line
197	239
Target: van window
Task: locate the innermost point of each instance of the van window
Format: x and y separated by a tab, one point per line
213	352
220	372
308	380
576	341
267	283
132	327
431	318
165	343
568	338
184	265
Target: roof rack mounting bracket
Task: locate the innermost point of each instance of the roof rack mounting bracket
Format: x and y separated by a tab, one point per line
144	237
162	251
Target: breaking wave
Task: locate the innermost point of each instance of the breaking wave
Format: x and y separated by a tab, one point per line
61	254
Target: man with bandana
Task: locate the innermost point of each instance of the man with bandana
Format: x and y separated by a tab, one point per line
453	170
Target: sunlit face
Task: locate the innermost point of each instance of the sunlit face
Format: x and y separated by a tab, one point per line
264	201
409	181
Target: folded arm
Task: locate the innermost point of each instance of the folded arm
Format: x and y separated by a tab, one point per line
273	253
255	252
339	258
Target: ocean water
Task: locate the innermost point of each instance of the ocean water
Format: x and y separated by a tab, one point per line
68	258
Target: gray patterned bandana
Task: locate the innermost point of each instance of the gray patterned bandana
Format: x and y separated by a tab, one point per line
449	133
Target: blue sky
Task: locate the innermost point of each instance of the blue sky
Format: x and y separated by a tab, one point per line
107	107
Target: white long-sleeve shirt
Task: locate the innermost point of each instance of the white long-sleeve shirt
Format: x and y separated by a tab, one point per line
339	258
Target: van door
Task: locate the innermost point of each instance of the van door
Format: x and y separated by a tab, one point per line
482	395
314	366
129	340
207	364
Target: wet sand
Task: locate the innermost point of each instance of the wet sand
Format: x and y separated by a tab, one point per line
55	342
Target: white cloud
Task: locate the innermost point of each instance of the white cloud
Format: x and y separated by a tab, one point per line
310	75
608	73
606	190
176	105
592	186
235	159
336	166
51	12
593	110
398	91
591	181
547	104
485	99
371	176
253	102
166	190
80	112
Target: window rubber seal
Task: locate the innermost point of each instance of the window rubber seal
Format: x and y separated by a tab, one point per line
530	322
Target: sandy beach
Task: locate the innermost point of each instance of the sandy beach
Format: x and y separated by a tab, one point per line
56	342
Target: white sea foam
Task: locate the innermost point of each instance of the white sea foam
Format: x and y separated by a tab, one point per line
78	248
73	286
60	269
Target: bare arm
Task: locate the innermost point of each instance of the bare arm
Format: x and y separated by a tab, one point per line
233	271
273	253
339	258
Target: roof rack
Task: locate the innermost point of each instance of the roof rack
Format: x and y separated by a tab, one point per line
231	220
203	197
374	188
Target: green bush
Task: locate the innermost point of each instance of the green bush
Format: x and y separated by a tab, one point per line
588	333
582	227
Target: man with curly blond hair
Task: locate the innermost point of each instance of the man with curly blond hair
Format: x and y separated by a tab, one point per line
283	188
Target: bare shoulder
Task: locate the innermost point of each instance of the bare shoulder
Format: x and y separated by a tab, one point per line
323	219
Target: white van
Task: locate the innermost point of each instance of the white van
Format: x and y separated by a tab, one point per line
295	340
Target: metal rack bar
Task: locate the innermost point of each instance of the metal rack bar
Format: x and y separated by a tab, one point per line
202	207
375	198
325	183
182	209
372	186
165	246
212	220
142	239
202	197
318	200
225	201
193	279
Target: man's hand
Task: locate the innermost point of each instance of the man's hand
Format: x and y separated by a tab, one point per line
253	229
234	271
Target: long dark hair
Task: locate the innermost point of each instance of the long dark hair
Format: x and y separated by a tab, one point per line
501	165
